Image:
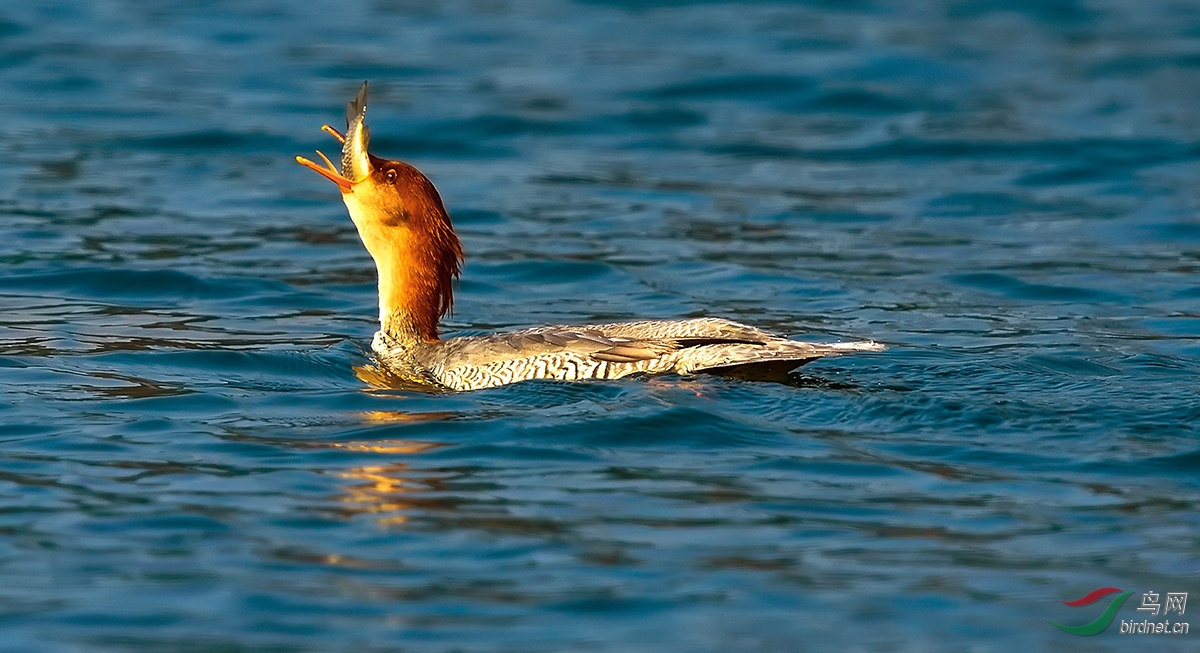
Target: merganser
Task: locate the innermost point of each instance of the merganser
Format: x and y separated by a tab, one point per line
404	226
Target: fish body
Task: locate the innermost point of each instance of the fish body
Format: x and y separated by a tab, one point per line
356	164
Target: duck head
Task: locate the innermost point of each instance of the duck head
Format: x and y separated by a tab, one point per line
402	223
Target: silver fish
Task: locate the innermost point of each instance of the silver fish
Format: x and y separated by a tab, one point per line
356	165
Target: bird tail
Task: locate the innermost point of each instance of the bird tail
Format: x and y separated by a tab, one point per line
770	361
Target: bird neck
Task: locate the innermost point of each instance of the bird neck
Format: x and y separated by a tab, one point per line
417	256
412	296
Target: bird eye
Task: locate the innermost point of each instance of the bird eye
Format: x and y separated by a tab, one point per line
390	175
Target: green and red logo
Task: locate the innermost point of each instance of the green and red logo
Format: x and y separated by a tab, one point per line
1104	619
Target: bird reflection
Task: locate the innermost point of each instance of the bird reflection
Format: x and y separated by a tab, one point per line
390	489
383	491
380	378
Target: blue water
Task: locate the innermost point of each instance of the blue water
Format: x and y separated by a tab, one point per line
1005	193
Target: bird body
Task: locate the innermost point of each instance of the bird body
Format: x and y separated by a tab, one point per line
602	351
405	227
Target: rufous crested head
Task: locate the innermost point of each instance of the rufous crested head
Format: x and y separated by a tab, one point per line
404	226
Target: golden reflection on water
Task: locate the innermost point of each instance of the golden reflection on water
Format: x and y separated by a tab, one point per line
380	378
387	489
382	492
397	416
